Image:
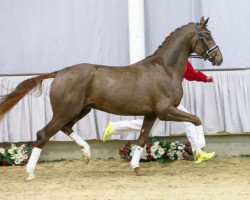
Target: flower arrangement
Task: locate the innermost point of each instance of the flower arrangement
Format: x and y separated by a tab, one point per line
158	151
176	151
125	151
15	155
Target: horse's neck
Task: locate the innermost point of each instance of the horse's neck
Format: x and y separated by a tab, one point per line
175	53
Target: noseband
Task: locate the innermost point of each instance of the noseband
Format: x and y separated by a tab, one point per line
208	51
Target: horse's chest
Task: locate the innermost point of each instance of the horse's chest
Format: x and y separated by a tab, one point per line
176	92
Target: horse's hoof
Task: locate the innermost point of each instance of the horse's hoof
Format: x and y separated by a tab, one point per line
137	171
86	159
31	177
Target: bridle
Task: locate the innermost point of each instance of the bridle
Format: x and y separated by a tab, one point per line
207	55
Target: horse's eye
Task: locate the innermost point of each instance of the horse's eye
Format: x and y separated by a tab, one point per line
207	36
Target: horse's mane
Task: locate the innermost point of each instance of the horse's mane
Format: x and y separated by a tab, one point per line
169	38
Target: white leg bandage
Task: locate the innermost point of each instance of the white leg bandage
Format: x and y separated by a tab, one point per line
200	136
30	168
136	157
85	146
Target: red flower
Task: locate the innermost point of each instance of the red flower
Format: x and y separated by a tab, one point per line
33	144
150	158
125	151
189	149
127	158
6	163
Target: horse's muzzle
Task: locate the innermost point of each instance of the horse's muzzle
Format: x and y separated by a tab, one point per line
217	59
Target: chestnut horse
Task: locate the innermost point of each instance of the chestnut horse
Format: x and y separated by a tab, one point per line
151	88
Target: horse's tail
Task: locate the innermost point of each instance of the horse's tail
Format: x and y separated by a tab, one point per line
11	99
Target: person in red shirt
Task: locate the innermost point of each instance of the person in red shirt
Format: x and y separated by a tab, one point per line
194	134
191	75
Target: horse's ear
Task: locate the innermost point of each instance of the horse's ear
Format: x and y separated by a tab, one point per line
203	22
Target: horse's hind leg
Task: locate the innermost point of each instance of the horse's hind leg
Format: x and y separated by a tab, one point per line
43	137
67	129
147	125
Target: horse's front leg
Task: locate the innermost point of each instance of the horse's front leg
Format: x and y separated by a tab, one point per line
193	126
174	114
147	125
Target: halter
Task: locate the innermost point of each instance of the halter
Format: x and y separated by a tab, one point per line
208	51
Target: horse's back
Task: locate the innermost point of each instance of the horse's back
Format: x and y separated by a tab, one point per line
78	70
84	80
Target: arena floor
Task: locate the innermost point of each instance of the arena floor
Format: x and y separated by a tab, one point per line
221	178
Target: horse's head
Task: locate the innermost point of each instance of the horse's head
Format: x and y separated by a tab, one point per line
204	45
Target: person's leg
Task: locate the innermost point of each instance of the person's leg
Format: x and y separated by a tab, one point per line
122	127
191	132
191	135
200	137
196	138
201	144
